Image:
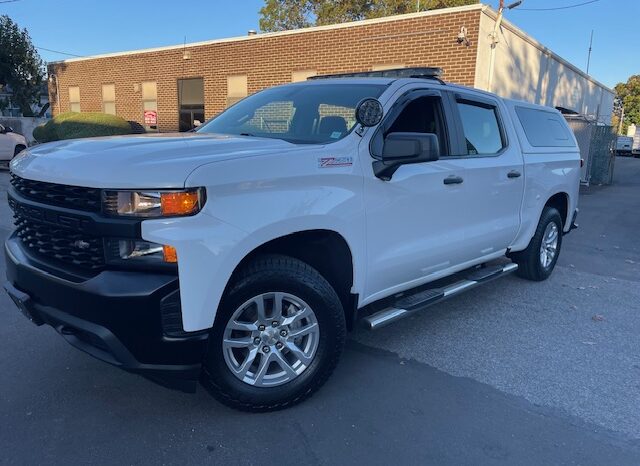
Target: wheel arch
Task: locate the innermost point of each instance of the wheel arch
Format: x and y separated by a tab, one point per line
559	201
325	250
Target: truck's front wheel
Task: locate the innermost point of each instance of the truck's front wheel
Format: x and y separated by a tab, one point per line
277	338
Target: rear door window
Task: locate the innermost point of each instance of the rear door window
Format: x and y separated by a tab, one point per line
481	126
543	128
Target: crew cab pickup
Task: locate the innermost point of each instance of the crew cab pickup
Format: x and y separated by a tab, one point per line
241	254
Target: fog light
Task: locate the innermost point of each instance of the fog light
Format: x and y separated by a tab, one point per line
140	252
132	249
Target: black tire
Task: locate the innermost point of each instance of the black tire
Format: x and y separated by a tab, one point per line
18	149
529	263
275	273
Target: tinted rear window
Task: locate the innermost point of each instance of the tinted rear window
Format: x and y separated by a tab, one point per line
544	129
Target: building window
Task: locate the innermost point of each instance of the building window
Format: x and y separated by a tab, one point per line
190	103
303	75
392	66
109	98
74	99
236	88
150	101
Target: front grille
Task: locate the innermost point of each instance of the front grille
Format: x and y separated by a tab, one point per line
64	245
71	197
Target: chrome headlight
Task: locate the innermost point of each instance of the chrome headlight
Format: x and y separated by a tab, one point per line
150	204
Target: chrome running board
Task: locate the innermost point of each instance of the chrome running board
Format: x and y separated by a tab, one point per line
409	304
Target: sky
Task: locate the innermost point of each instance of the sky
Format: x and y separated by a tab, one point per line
90	27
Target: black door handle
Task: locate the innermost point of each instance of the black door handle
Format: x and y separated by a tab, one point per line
514	174
453	179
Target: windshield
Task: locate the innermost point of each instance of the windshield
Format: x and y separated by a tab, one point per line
301	114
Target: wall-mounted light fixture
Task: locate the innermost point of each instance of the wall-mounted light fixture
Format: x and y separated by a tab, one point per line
462	37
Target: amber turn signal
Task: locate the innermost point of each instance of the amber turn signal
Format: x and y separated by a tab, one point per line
170	254
180	203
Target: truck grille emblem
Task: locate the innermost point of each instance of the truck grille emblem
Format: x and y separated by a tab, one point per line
80	244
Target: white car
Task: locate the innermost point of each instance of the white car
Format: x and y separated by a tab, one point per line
11	144
242	253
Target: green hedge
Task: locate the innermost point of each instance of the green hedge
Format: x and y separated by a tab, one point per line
73	125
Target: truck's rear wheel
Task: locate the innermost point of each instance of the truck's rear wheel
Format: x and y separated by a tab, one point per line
539	259
277	338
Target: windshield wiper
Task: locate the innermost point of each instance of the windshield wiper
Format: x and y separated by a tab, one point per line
247	134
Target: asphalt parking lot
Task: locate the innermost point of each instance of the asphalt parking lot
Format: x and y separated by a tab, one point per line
510	373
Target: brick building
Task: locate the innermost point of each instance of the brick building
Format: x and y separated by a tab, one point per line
180	84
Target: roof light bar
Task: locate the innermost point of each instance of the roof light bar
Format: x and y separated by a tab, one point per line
424	73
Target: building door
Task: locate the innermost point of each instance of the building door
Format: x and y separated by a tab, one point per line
190	103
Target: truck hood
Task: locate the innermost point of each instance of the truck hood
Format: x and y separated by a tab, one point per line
141	161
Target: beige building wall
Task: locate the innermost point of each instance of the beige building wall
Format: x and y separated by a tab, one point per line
522	68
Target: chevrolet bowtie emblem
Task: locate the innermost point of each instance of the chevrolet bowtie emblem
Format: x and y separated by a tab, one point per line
80	244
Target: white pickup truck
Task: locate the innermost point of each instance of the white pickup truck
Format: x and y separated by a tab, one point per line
241	254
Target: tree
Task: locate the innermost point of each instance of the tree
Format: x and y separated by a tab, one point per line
629	95
21	68
281	15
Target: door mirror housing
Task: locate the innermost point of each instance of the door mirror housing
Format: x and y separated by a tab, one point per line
405	148
8	129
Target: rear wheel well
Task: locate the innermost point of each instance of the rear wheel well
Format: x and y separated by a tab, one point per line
560	202
324	250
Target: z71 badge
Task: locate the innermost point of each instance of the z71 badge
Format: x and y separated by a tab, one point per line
331	162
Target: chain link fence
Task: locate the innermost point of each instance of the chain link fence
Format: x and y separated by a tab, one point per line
597	149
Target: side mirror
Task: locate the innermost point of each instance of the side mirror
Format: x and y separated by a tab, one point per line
405	148
8	129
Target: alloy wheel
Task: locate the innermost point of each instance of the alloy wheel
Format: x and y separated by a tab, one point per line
271	339
549	245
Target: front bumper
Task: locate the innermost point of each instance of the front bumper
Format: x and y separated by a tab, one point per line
115	316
